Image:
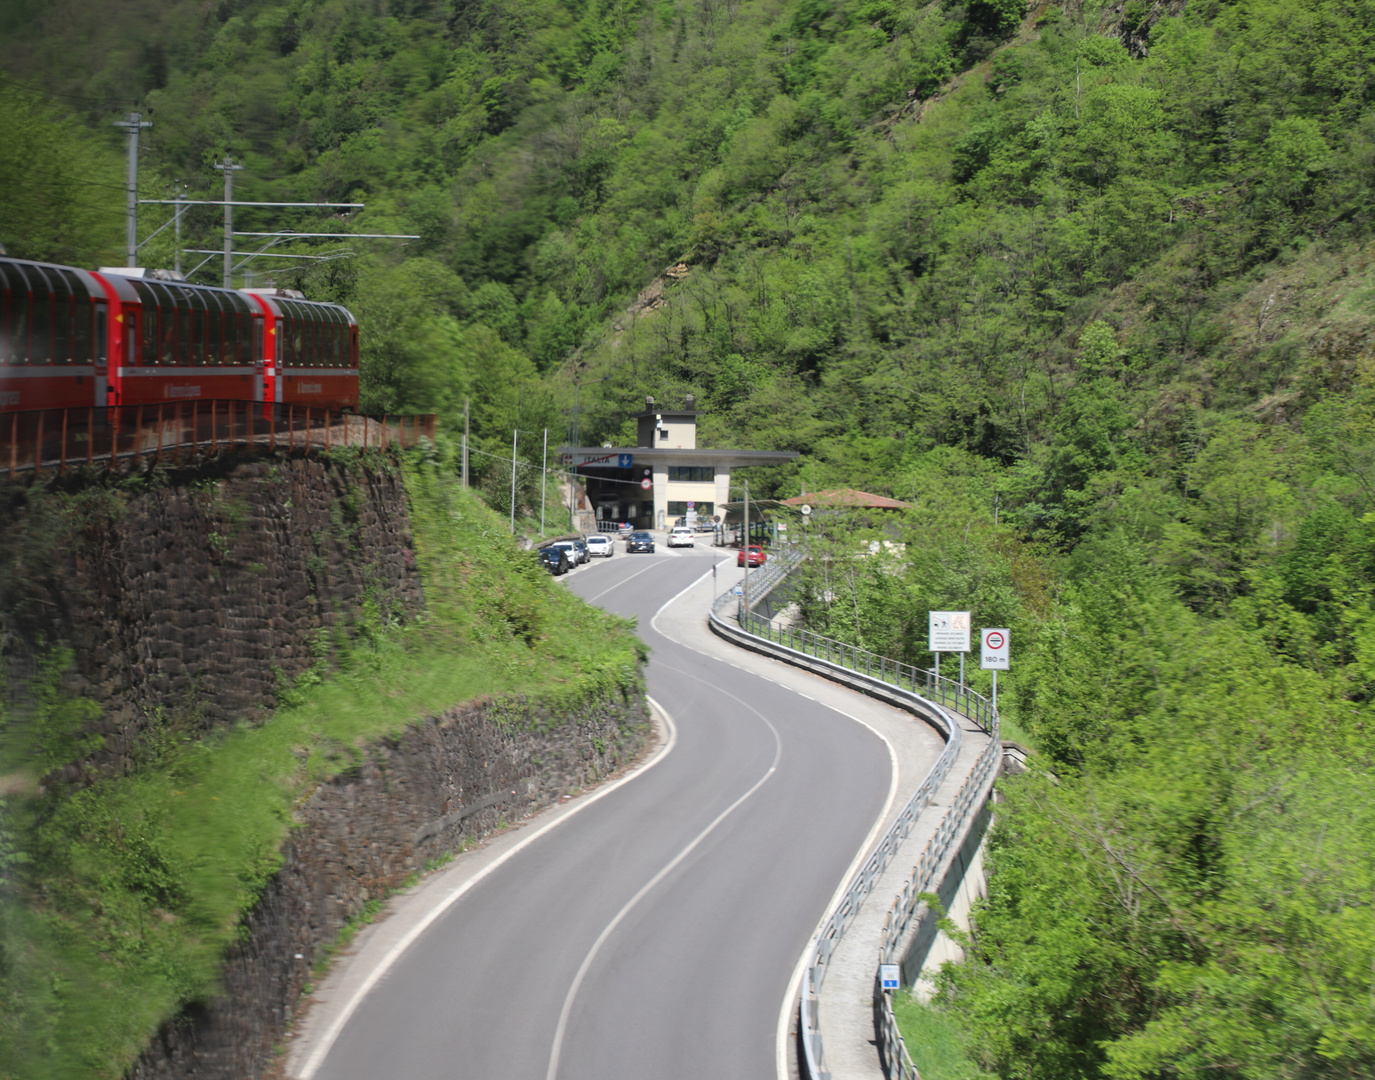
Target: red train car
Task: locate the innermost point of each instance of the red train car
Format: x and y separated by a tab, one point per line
59	329
310	350
74	338
190	341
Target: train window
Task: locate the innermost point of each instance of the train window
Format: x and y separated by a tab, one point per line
41	326
150	331
195	302
214	330
6	338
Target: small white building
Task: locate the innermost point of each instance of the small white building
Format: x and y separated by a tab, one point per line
666	476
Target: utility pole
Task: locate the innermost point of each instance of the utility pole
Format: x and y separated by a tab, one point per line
745	548
133	125
181	196
543	481
515	435
465	444
229	169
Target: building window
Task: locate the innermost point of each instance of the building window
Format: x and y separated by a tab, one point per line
691	474
680	509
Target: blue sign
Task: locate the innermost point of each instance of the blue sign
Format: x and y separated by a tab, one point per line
623	461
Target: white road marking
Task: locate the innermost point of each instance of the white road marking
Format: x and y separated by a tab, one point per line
327	1041
562	1026
794	984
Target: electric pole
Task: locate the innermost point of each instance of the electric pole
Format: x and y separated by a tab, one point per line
465	444
133	125
229	169
745	547
515	437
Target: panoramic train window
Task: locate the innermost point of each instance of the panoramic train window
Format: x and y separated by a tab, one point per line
41	326
8	287
81	350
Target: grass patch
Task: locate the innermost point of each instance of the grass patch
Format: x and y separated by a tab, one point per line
937	1044
118	901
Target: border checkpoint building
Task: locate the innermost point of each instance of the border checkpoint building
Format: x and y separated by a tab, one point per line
664	478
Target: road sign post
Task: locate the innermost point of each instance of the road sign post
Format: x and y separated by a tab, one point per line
995	654
948	631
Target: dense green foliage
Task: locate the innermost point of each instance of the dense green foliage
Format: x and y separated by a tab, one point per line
1089	285
118	899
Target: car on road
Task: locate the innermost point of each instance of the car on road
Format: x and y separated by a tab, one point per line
583	554
640	541
756	556
601	545
555	560
681	536
571	549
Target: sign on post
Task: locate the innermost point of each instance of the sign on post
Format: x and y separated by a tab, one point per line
888	976
995	653
948	632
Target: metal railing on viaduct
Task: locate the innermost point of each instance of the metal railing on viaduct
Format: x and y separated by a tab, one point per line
935	699
59	439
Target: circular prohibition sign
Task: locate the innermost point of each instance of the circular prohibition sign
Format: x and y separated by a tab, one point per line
994	640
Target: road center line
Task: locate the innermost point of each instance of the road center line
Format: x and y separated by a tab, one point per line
327	1040
562	1026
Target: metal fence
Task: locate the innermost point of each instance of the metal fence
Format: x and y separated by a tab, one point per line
59	439
933	696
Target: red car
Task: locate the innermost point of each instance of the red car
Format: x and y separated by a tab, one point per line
756	555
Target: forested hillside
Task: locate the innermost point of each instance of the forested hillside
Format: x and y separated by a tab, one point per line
1088	283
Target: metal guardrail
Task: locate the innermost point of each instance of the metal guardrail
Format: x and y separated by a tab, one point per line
919	690
58	439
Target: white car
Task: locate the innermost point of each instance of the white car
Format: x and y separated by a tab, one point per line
601	545
574	555
681	536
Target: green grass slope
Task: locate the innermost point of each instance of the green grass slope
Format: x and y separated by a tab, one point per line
119	899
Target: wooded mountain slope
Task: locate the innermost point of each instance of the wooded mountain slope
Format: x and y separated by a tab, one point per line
1089	283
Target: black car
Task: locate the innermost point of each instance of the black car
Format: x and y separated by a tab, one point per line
555	560
640	541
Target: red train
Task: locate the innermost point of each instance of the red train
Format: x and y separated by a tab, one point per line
74	338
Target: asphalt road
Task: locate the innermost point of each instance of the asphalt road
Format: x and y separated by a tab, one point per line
656	932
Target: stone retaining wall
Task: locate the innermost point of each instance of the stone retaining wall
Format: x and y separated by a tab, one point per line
450	779
190	596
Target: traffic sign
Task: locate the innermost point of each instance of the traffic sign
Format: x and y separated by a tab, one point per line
888	976
994	656
948	631
805	509
646	483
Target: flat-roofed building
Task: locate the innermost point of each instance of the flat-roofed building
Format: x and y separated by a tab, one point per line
666	476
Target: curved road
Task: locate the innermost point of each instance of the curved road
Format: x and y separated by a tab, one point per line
654	933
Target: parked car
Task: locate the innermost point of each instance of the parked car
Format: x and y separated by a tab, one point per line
555	560
640	541
756	556
571	549
601	545
681	536
583	554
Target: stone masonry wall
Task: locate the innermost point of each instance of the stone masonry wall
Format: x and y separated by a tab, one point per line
189	596
411	799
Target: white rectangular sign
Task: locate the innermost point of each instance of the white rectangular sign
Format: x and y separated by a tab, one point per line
888	976
995	653
948	632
